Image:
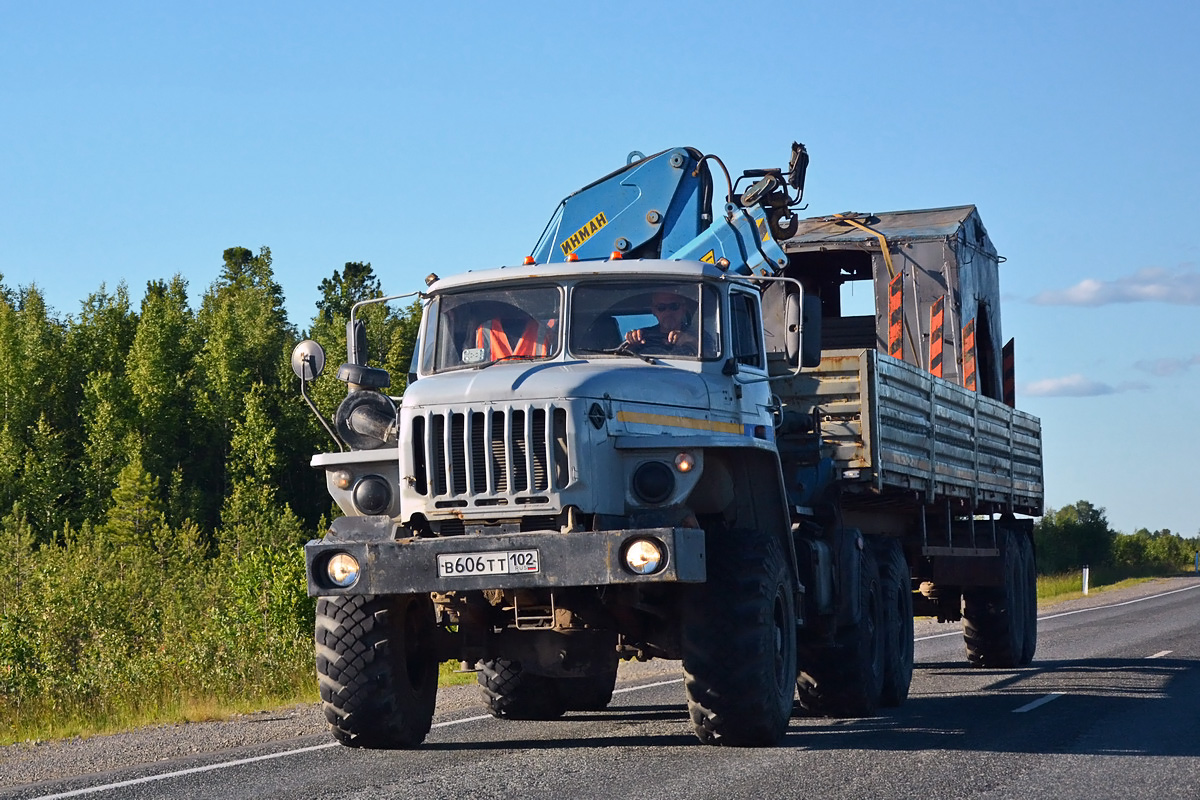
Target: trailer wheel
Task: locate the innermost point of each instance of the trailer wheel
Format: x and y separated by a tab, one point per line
591	693
376	668
1029	645
994	618
896	587
739	642
846	680
511	692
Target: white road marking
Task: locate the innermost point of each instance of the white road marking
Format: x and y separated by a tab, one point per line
177	773
647	686
460	721
1078	611
239	762
1161	653
1041	701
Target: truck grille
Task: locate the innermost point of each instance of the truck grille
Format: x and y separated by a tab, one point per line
493	457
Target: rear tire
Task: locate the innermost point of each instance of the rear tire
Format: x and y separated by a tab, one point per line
511	692
739	642
591	693
846	680
994	618
1031	624
896	587
376	668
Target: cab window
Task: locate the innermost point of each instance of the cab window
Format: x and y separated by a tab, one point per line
483	326
747	330
676	319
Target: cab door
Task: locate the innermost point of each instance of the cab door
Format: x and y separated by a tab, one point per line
748	357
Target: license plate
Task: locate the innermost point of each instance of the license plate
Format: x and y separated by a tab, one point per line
500	562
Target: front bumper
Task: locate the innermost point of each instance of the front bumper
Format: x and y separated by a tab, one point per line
409	566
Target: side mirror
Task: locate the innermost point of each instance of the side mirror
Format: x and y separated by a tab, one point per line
802	329
810	324
793	324
308	360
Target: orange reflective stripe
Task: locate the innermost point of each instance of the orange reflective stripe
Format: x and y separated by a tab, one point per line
968	351
530	344
535	340
937	322
492	339
896	317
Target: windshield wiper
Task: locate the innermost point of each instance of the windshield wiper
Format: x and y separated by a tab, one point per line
512	357
626	349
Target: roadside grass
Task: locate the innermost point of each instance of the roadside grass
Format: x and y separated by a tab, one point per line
42	721
451	674
1069	585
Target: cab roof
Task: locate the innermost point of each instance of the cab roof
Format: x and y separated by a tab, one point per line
652	269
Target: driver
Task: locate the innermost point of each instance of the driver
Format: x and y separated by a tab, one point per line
673	331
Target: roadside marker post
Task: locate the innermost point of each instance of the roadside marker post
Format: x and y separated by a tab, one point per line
1085	580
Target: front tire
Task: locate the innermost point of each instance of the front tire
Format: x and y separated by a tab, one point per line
739	642
376	668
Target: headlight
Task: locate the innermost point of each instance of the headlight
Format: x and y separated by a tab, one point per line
653	482
342	569
372	495
644	556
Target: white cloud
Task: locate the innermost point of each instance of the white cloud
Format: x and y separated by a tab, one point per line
1166	367
1076	386
1150	285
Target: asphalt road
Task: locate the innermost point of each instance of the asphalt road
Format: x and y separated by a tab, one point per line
1109	709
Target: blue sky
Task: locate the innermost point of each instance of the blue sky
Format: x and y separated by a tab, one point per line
142	139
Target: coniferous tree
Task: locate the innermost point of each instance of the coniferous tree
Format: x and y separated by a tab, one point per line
136	513
97	348
246	340
46	481
160	369
108	418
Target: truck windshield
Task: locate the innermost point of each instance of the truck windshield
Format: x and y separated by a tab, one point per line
676	319
486	325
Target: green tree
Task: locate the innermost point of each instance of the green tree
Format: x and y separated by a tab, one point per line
108	418
254	514
160	369
246	340
136	514
99	340
46	481
1073	536
341	291
44	383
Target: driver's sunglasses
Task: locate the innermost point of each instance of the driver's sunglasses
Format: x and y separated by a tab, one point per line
667	307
